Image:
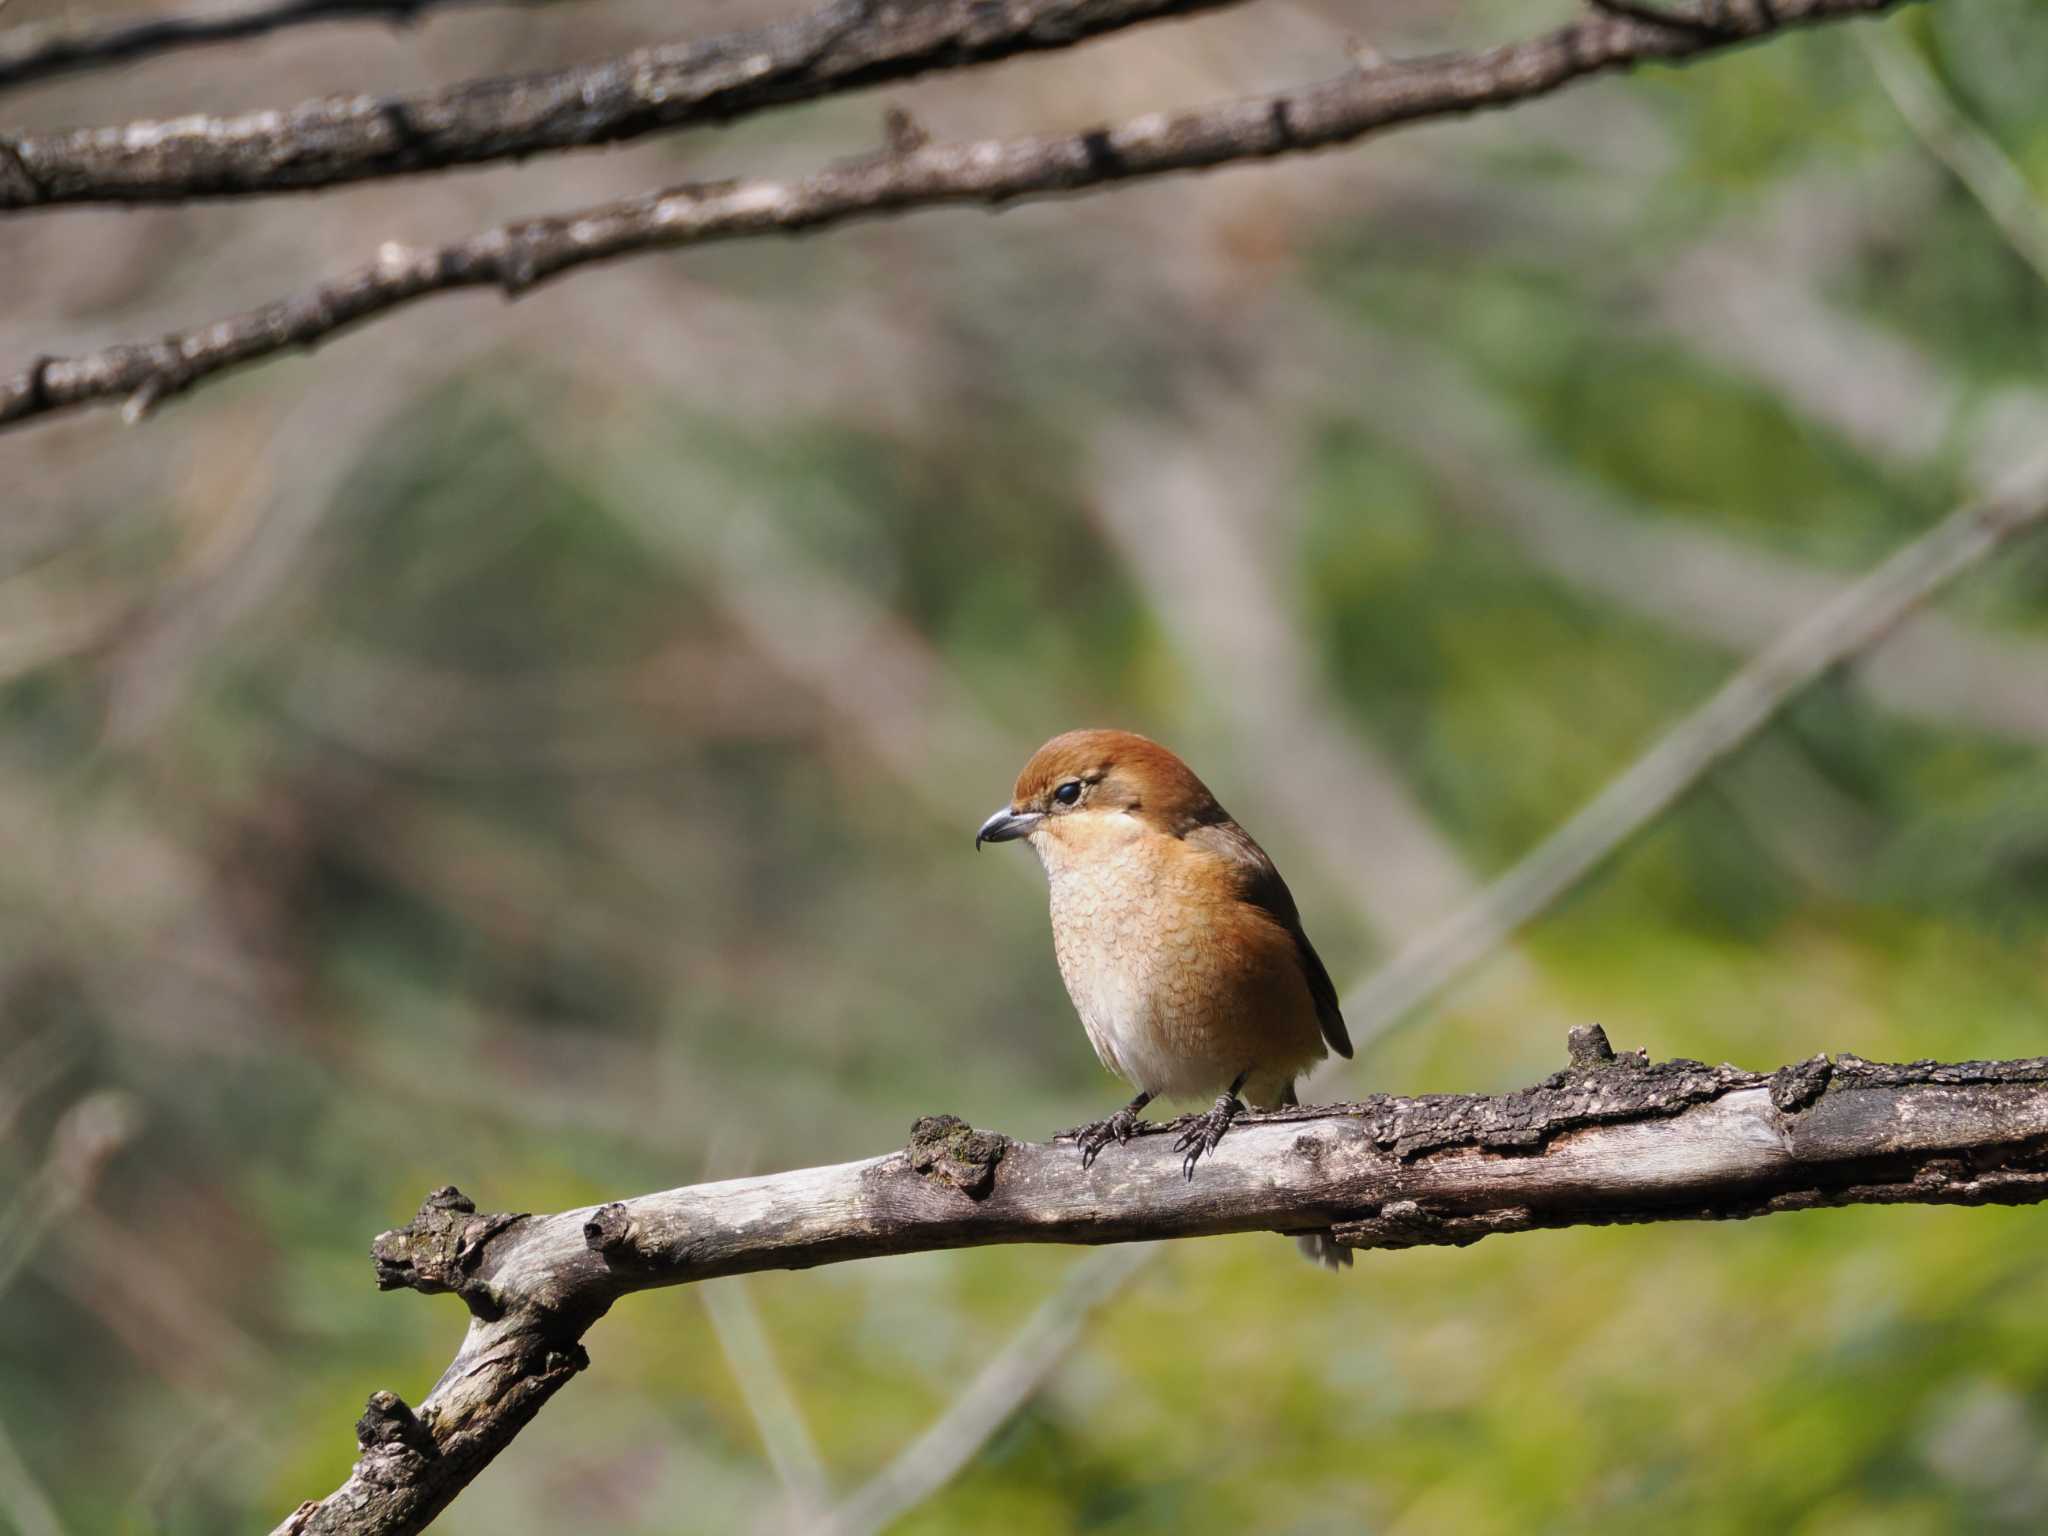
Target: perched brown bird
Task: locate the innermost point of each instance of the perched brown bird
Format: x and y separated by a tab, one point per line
1177	939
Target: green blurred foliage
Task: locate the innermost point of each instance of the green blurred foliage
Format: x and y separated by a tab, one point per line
531	841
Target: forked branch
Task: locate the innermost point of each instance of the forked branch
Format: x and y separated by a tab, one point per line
1609	1139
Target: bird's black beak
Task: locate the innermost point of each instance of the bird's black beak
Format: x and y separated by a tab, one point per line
1006	826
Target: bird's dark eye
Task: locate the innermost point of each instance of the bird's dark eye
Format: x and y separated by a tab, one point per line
1068	792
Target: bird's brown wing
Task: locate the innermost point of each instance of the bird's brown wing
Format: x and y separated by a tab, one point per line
1260	884
1320	987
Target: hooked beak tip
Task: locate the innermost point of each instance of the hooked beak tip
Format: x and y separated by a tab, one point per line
1005	826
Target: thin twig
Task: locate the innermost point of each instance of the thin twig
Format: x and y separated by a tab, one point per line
32	54
1010	1380
990	172
1846	627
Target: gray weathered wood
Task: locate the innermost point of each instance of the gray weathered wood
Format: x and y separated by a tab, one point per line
1609	1139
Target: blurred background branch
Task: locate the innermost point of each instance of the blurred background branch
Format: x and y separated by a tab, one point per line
784	1435
1684	578
1837	631
996	1394
26	1506
1973	155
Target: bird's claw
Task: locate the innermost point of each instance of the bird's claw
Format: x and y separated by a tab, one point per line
1119	1128
1206	1132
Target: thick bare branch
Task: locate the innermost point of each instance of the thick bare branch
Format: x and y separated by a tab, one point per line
30	54
990	172
843	46
1610	1139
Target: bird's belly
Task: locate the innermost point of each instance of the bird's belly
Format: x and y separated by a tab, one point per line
1133	1034
1170	1011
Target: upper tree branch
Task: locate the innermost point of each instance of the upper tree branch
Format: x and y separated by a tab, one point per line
991	172
1610	1139
29	54
845	45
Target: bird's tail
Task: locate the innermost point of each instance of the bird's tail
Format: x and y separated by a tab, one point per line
1317	1247
1321	1248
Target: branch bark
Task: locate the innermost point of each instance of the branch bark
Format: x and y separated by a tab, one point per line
1610	1139
843	46
989	172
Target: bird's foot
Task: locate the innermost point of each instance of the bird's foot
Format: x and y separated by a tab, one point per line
1119	1128
1206	1132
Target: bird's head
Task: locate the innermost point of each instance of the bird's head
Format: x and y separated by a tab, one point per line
1092	784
